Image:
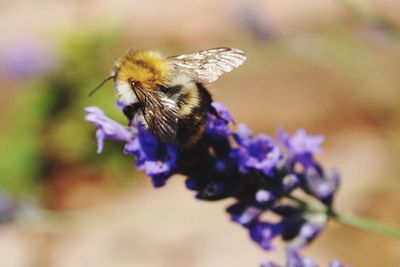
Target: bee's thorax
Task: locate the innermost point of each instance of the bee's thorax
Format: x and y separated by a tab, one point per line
147	67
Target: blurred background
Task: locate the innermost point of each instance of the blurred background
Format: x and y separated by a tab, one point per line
329	66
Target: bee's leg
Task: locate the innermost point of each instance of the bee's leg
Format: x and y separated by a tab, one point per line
213	111
130	111
161	150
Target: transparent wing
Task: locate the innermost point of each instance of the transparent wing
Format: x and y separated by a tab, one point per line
206	66
160	113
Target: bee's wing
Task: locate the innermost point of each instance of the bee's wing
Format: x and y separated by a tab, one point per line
206	66
160	113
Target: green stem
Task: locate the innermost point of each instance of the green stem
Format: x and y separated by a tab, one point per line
351	220
365	224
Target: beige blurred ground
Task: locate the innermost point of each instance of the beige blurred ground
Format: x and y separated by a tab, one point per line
354	102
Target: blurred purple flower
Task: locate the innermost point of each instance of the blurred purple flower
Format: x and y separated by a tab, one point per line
22	59
249	16
8	208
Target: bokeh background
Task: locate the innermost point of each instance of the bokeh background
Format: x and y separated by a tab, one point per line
329	66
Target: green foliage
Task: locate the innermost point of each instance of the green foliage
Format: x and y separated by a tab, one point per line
45	126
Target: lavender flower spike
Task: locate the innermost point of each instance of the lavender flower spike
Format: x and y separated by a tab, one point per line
259	172
107	128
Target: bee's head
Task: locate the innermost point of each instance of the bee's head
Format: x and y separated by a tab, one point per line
144	67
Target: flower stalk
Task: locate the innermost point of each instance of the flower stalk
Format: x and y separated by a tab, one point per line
354	221
364	224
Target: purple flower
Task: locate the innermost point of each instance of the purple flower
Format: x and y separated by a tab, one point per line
107	128
254	170
263	233
247	216
309	230
218	126
243	214
157	159
321	185
222	112
120	105
301	146
294	259
23	58
259	153
290	182
267	263
301	142
263	196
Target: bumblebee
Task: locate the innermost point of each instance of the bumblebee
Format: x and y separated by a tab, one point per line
167	95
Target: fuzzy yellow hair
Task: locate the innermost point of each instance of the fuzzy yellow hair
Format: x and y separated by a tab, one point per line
144	66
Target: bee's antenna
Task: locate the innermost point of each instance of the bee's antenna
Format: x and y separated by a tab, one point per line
101	84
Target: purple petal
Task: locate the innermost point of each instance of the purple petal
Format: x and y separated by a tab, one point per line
290	182
263	196
321	185
301	142
337	263
267	263
242	134
107	128
223	113
259	153
294	259
100	136
250	214
309	230
263	233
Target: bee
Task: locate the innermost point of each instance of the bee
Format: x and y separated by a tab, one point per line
167	95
